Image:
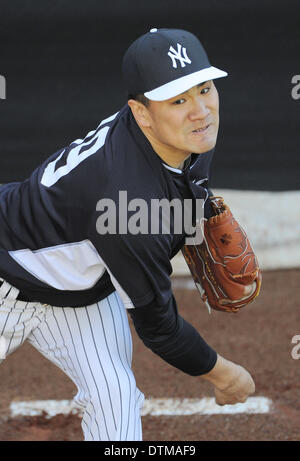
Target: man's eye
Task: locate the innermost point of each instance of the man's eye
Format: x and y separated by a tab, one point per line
179	101
205	90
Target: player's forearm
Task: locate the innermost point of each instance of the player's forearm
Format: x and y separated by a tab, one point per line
173	339
187	351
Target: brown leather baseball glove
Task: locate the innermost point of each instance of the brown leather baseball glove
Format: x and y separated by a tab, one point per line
224	265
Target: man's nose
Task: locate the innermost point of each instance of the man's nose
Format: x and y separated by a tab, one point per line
199	109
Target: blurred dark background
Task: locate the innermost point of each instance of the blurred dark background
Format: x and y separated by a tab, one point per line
61	60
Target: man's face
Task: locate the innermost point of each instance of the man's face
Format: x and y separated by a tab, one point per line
187	123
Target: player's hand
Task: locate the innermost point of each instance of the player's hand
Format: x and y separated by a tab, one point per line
238	390
233	383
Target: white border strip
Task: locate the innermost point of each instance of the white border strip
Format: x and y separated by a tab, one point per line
153	407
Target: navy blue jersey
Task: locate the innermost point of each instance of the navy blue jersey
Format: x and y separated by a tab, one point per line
50	245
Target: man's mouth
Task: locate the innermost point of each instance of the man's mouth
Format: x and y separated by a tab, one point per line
200	130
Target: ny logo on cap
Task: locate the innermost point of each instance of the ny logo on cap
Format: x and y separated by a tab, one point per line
180	54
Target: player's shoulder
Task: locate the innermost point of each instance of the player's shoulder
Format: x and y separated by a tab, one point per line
79	160
114	156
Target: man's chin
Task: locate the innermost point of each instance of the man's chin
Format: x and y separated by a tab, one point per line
205	148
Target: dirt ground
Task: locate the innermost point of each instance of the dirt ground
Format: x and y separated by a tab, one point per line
259	338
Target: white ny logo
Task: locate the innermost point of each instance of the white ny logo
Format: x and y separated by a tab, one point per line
180	54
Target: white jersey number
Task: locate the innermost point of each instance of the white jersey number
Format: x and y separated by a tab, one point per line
74	158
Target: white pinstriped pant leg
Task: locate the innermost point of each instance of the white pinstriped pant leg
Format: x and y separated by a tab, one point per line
93	346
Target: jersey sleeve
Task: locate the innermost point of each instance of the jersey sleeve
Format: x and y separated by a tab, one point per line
172	338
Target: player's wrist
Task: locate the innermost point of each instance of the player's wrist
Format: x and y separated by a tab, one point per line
223	374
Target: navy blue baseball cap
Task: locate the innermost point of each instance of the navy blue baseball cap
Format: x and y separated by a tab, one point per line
166	62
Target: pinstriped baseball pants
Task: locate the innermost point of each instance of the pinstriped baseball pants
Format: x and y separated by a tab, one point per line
93	346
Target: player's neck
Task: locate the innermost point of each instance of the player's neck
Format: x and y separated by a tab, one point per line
172	157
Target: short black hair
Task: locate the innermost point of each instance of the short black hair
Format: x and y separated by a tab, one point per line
140	98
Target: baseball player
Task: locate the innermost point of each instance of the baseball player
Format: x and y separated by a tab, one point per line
74	260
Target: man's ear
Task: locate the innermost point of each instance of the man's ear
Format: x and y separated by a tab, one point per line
140	113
